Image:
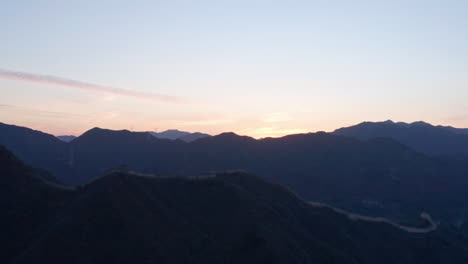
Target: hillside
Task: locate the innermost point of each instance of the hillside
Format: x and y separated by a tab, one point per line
420	136
379	177
125	217
175	134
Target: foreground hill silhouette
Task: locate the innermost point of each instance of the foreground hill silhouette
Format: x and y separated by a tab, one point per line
421	136
379	177
125	217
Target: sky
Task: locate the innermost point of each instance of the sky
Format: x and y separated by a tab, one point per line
254	67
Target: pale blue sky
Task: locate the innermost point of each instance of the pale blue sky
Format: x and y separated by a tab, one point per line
261	68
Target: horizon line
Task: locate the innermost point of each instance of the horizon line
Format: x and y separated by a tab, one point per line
226	132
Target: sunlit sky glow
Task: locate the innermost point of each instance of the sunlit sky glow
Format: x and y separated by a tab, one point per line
258	68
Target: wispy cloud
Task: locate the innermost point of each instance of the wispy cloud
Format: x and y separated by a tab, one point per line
59	81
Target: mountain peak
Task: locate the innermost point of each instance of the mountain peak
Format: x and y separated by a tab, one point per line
94	130
233	136
420	136
173	130
228	134
174	134
421	124
98	130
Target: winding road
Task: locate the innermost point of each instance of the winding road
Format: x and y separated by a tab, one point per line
432	225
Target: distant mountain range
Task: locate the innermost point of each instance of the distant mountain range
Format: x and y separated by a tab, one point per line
378	177
66	138
174	134
127	217
420	136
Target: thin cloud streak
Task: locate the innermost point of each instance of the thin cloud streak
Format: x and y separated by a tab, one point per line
59	81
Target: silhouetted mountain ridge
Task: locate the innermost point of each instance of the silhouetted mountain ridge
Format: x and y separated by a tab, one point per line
175	134
233	217
378	177
421	136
